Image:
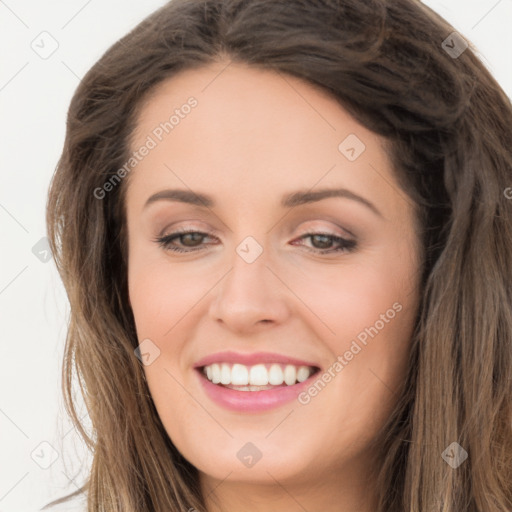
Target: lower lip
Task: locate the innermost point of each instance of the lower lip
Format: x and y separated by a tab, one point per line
252	401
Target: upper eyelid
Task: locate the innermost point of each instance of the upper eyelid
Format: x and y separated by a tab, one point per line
309	231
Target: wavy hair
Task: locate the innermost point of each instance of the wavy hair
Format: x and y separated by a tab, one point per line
448	126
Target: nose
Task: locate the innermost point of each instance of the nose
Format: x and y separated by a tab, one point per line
250	296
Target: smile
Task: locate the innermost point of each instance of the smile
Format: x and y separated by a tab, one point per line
253	382
257	377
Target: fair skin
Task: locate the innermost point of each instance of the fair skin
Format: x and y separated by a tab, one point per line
254	137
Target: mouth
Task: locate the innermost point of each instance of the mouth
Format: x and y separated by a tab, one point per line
253	382
258	377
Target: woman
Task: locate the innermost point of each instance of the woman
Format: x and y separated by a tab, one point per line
285	234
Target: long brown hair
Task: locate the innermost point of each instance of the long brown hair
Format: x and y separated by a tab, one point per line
449	128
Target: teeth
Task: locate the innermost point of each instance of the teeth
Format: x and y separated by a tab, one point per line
275	375
215	373
239	375
250	378
225	374
290	374
258	375
303	373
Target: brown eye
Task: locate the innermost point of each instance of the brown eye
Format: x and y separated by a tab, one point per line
187	239
190	239
322	243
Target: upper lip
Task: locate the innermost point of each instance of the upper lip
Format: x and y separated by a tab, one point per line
251	359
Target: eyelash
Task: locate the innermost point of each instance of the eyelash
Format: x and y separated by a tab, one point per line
346	246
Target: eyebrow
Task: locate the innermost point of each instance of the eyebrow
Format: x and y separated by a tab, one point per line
290	200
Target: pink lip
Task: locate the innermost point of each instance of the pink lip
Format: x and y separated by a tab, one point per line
252	401
251	359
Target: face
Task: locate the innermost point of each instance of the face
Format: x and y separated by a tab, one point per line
275	280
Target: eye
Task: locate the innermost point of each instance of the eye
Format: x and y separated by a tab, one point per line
325	241
188	238
192	241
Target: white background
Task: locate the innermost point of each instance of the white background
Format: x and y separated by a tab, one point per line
34	97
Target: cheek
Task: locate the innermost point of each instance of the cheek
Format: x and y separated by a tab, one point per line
161	293
349	299
365	313
371	311
163	298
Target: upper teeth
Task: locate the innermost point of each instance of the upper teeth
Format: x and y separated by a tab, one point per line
257	375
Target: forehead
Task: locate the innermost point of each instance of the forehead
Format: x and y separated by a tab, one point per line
250	131
245	100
